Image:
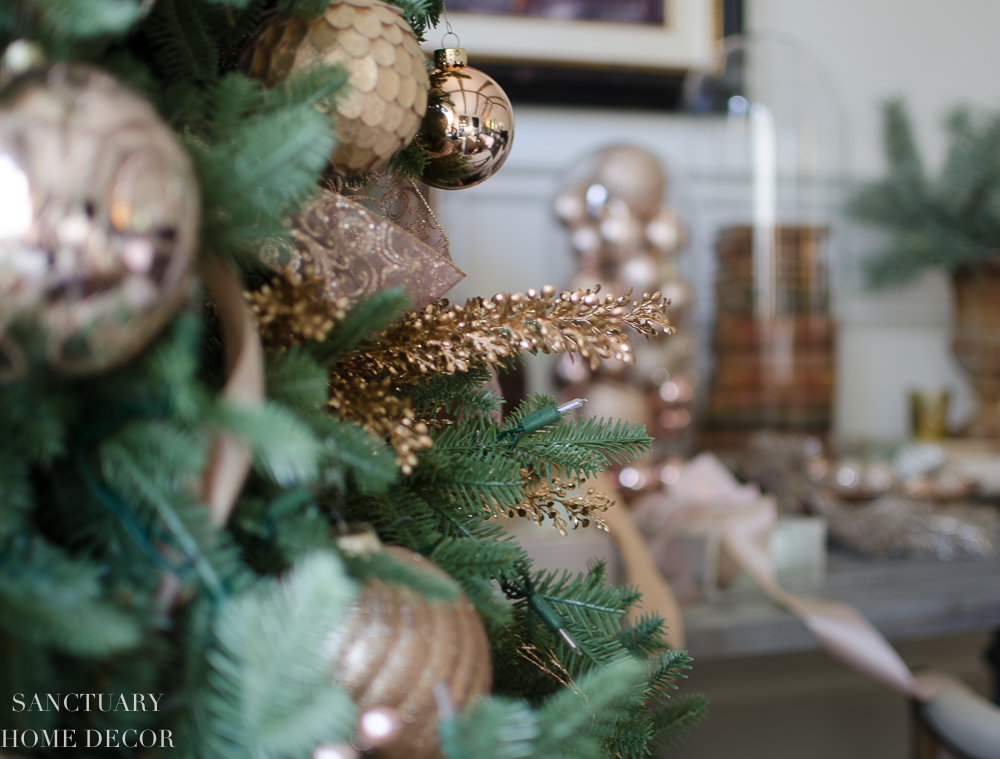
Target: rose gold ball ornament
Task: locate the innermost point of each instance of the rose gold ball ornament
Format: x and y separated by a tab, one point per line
387	77
470	128
396	646
98	224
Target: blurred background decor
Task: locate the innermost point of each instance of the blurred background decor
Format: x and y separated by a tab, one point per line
639	33
627	238
623	11
893	510
949	222
783	155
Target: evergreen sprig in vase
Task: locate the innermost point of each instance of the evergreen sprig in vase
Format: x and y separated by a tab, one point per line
950	222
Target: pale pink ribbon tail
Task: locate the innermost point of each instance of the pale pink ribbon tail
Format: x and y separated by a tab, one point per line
640	568
229	458
840	628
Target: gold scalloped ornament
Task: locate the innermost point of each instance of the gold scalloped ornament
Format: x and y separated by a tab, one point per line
387	76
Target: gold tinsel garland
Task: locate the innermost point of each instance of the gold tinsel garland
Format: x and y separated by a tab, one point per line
445	339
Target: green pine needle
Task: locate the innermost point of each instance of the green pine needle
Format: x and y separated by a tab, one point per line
370	316
392	570
676	718
665	668
296	379
283	445
568	718
15	491
305	9
351	452
644	636
269	693
492	729
48	599
584	447
85	19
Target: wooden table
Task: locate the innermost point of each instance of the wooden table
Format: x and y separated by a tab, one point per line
903	597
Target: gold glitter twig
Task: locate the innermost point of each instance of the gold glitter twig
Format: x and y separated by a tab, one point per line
542	499
445	339
372	405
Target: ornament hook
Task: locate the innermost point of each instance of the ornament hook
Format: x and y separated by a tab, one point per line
450	32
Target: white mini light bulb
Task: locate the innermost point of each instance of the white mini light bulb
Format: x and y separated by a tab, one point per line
570	405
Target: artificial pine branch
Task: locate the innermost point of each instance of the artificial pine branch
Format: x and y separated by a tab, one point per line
474	483
587	446
268	692
354	456
421	14
568	718
495	728
665	668
371	316
296	379
283	445
15	491
153	503
84	19
184	52
387	568
49	599
643	636
304	9
675	718
453	393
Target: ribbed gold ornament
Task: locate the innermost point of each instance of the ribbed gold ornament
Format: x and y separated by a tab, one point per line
388	83
397	645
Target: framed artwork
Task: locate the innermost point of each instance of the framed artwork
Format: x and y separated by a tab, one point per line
654	35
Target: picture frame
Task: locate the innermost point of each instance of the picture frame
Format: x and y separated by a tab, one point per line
685	40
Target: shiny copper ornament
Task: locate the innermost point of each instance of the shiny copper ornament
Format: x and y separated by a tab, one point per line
397	645
470	132
99	221
387	83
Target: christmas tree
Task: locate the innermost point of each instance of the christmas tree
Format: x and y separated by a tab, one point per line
355	589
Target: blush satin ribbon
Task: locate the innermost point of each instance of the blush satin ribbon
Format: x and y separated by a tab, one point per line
708	498
229	458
